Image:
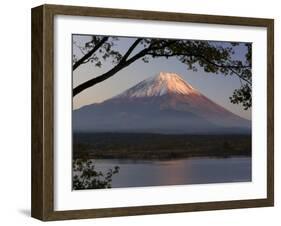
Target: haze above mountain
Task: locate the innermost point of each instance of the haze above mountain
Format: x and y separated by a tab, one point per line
164	103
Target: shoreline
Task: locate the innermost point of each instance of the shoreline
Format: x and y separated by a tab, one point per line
159	157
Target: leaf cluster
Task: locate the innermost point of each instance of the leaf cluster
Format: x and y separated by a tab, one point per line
85	176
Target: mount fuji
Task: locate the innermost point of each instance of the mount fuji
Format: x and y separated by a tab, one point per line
164	103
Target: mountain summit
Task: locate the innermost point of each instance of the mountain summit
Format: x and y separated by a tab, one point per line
161	84
164	103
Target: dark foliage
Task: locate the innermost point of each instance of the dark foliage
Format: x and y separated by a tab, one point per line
86	177
158	146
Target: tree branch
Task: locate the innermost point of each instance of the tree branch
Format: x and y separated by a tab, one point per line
163	55
122	64
130	50
89	54
218	65
229	67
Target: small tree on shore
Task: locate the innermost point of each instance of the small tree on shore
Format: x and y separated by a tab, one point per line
85	176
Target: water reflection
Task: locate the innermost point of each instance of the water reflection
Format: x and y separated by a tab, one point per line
175	172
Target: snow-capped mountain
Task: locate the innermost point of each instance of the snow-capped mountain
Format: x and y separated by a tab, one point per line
164	103
159	85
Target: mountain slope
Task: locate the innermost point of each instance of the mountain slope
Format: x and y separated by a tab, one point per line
161	104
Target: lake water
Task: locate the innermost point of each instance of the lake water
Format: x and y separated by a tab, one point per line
175	172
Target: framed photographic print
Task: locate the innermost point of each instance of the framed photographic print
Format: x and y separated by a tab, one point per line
141	112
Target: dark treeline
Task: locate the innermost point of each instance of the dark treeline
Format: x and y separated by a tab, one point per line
158	146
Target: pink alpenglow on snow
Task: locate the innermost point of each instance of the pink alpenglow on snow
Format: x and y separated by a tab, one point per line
159	85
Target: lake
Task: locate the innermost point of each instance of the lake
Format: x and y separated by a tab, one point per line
197	170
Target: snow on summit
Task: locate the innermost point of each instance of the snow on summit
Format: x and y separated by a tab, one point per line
161	84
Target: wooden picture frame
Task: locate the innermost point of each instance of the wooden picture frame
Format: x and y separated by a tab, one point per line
42	203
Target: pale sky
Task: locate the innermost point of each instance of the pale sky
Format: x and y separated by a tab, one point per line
216	87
